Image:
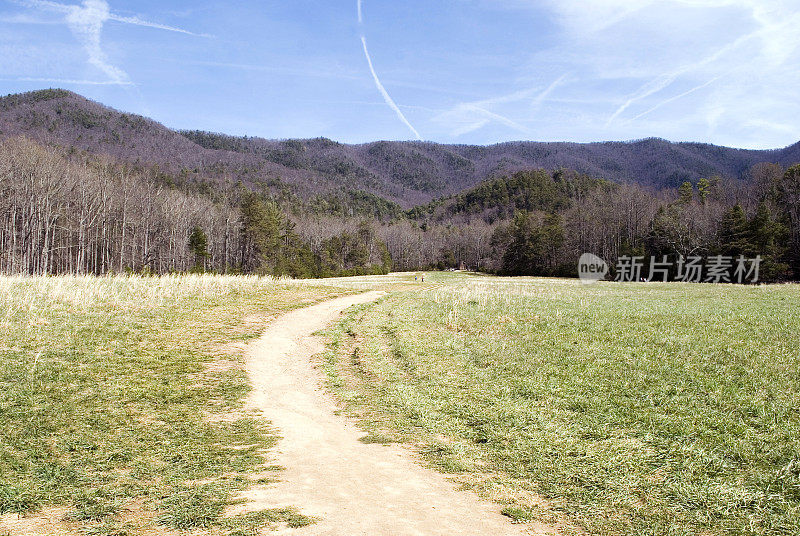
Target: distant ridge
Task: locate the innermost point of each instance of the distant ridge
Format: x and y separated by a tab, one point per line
408	173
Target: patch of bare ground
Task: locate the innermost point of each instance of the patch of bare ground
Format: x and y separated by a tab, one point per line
47	522
134	518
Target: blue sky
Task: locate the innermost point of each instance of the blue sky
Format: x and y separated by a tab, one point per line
453	71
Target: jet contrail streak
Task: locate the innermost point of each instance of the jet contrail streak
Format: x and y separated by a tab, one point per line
69	8
667	79
386	97
648	89
385	93
676	97
540	98
139	22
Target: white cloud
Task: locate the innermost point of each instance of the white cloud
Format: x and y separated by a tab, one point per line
592	16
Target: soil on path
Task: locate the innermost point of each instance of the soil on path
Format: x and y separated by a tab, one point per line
352	488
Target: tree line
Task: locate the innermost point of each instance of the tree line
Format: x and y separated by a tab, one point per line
63	214
81	214
714	217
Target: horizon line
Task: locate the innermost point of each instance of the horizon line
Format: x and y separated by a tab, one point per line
423	141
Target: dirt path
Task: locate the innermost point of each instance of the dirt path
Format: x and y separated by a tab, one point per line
354	488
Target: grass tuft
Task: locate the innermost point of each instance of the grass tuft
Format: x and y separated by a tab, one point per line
195	506
18	501
95	505
376	438
251	523
518	515
110	528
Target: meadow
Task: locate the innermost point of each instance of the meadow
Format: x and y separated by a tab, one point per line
614	409
619	409
121	399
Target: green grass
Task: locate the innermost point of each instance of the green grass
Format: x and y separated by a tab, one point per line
250	524
632	409
106	396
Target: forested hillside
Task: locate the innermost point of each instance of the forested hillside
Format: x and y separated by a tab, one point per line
61	213
407	173
87	189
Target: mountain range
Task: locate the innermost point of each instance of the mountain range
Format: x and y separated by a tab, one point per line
408	173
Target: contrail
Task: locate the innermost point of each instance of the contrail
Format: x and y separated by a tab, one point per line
666	79
139	22
463	112
648	89
540	98
676	97
385	93
500	119
86	21
471	109
379	85
94	4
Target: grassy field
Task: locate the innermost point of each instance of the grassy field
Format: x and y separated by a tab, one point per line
121	398
616	409
630	409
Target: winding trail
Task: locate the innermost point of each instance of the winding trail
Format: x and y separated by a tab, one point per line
352	487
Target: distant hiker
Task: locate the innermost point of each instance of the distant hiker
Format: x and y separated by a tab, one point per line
416	277
423	278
